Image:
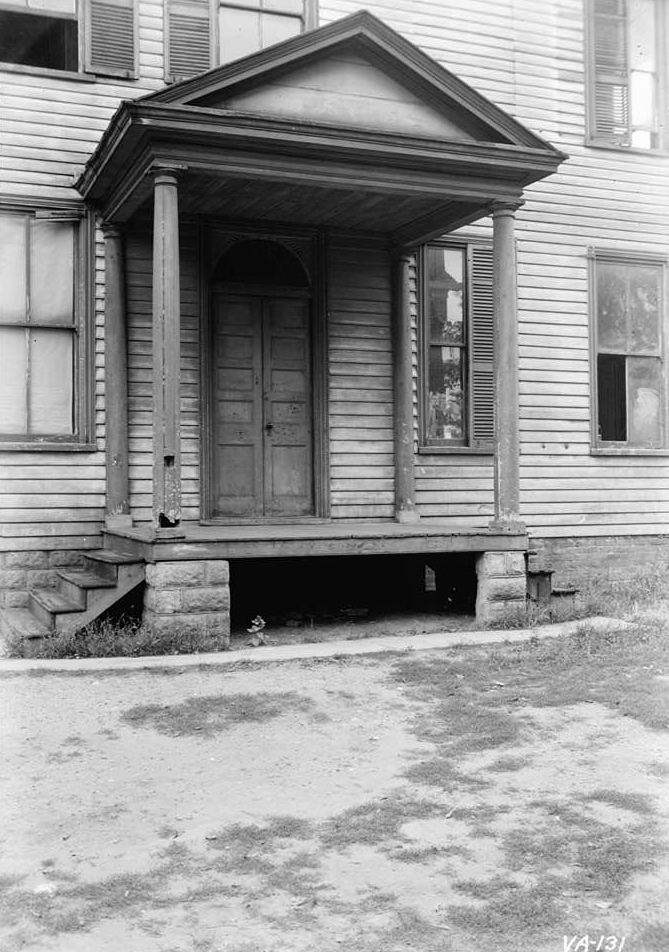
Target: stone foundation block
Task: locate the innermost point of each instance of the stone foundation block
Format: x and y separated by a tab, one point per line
175	574
188	598
215	598
215	624
502	586
12	578
16	599
501	564
216	572
27	560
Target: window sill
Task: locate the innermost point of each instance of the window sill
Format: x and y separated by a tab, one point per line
45	71
632	150
627	451
454	451
46	447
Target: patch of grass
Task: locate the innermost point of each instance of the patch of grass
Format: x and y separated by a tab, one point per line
206	716
376	822
107	639
633	802
509	764
507	909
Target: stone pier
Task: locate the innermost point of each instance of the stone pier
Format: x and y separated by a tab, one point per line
502	586
189	596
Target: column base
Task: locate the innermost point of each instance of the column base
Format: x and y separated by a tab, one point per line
118	521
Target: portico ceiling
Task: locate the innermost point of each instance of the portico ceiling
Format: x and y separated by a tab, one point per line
347	126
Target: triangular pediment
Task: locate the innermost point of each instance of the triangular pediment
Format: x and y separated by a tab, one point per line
356	74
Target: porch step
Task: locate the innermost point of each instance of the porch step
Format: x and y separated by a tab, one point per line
85	594
47	603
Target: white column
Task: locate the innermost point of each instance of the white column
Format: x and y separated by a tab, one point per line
166	352
405	482
507	444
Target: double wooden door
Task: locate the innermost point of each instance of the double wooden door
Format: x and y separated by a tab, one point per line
262	459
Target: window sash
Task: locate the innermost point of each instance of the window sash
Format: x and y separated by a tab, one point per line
629	387
46	377
475	346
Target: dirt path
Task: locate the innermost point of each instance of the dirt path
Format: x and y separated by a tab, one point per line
320	806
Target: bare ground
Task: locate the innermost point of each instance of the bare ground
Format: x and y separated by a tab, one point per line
455	801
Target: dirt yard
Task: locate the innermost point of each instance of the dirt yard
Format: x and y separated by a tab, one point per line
467	801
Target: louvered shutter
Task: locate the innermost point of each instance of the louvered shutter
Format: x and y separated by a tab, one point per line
111	38
610	81
481	350
188	39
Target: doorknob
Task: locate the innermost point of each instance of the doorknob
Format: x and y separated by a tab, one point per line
269	427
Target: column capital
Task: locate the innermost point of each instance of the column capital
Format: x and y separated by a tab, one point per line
499	208
112	229
166	174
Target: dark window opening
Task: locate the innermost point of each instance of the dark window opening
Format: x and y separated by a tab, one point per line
259	261
612	397
37	40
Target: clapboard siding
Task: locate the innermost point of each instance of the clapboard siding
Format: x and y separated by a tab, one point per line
360	380
140	372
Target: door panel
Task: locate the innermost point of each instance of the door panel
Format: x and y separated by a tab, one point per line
288	468
262	457
237	453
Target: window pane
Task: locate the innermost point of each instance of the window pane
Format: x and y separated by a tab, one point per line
446	394
276	28
644	300
611	397
239	33
642	100
445	295
52	272
612	287
39	40
51	388
645	389
12	268
642	34
13	415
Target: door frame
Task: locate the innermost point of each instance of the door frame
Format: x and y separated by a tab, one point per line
310	246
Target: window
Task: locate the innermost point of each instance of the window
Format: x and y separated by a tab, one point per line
202	33
629	366
457	346
42	327
53	34
627	73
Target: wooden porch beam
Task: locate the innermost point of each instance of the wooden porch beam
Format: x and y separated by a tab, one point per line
405	482
506	386
117	512
166	352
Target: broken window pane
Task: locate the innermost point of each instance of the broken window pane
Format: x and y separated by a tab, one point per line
446	417
612	397
645	389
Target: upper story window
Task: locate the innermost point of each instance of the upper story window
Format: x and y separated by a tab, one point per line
627	70
456	333
44	366
93	36
205	33
629	346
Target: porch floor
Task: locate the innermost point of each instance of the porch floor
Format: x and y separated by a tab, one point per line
271	540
